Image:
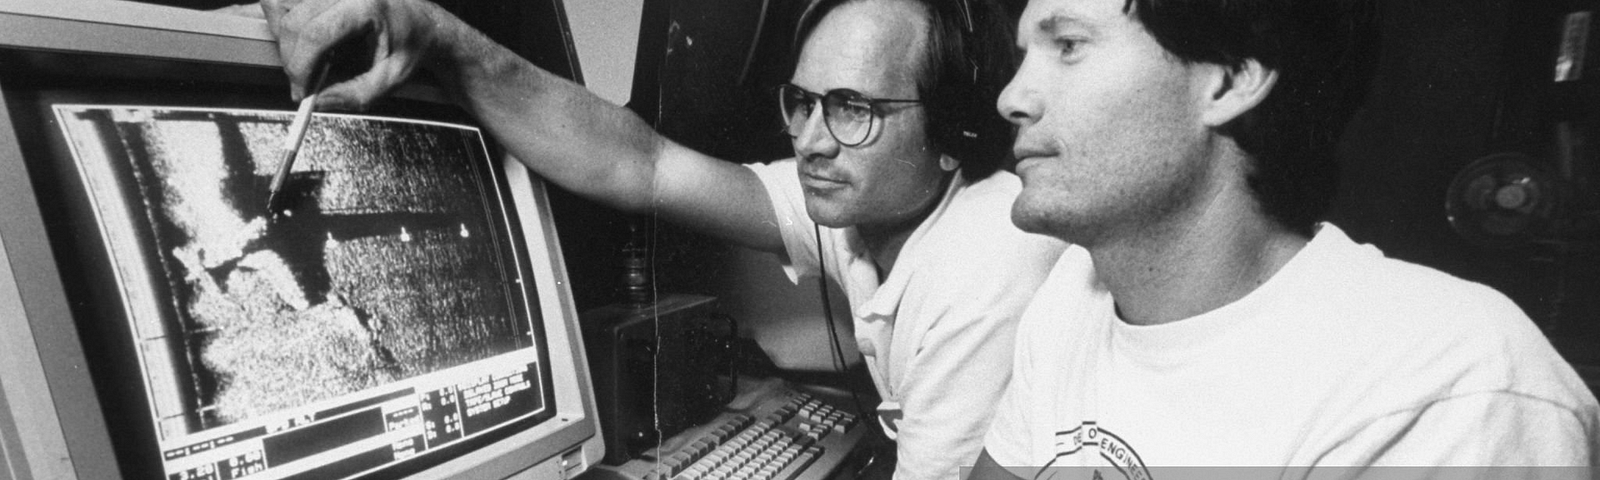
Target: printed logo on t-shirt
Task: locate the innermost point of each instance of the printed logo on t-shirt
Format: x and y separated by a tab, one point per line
1090	439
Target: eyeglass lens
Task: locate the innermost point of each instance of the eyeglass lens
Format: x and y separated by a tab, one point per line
847	115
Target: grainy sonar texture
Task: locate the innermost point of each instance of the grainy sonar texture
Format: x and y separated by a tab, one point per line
388	261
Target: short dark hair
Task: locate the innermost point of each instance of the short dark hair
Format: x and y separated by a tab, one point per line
970	58
1324	51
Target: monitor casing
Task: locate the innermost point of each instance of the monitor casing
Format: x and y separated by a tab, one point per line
53	421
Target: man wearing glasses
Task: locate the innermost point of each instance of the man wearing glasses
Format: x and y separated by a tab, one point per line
895	191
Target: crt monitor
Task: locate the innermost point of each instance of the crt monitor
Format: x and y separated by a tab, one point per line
403	313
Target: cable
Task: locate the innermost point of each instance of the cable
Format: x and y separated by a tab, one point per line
833	333
755	41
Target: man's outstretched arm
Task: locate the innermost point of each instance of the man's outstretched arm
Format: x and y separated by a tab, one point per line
557	128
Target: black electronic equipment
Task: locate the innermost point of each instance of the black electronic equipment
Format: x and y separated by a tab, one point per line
659	368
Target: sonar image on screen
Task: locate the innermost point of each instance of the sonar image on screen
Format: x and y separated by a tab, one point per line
387	260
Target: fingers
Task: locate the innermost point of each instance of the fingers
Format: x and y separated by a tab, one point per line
393	31
307	30
247	10
359	92
273	10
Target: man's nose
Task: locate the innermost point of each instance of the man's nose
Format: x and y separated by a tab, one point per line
1018	101
814	139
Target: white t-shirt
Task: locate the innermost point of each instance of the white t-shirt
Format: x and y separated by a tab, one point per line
1343	358
937	334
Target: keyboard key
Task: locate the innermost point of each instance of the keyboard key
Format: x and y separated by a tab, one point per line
677	463
805	441
698	449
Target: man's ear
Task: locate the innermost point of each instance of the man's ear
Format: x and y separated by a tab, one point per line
1235	90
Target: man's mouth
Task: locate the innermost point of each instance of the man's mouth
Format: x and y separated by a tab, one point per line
821	182
1027	155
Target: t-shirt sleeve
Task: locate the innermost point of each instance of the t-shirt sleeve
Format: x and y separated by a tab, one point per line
1504	429
1024	415
1007	440
789	208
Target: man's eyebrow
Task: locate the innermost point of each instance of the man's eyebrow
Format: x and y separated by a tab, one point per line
1054	24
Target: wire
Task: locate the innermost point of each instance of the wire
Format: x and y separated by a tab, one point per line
833	332
755	41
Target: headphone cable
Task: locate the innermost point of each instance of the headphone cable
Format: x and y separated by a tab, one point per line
833	333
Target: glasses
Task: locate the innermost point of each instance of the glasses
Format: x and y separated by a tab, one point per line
849	115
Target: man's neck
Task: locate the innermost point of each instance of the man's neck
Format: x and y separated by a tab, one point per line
1170	272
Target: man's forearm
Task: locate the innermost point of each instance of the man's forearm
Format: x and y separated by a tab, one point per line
557	127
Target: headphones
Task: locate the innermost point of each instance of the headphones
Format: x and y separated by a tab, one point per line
961	117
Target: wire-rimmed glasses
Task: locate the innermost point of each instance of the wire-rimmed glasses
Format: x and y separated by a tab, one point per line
849	115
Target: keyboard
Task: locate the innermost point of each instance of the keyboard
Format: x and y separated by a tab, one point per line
772	431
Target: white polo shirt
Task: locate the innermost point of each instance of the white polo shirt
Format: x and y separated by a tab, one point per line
937	334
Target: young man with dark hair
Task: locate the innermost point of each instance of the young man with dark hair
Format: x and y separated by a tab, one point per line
894	187
1204	317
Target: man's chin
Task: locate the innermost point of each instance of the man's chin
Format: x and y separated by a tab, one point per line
1028	219
831	221
828	214
1034	219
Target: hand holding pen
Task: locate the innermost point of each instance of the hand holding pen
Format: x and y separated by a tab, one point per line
295	139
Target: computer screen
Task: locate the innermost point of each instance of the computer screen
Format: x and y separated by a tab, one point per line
402	311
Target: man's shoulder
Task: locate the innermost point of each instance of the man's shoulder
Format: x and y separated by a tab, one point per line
994	193
973	242
1384	306
1343	274
979	216
776	173
1424	329
981	210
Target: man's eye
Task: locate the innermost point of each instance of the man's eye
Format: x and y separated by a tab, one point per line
855	108
1068	47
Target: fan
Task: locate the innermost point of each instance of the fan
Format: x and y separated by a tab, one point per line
1504	200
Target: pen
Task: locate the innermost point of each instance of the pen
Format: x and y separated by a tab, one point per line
296	138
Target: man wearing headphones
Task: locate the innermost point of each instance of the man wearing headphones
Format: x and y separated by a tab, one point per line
894	193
